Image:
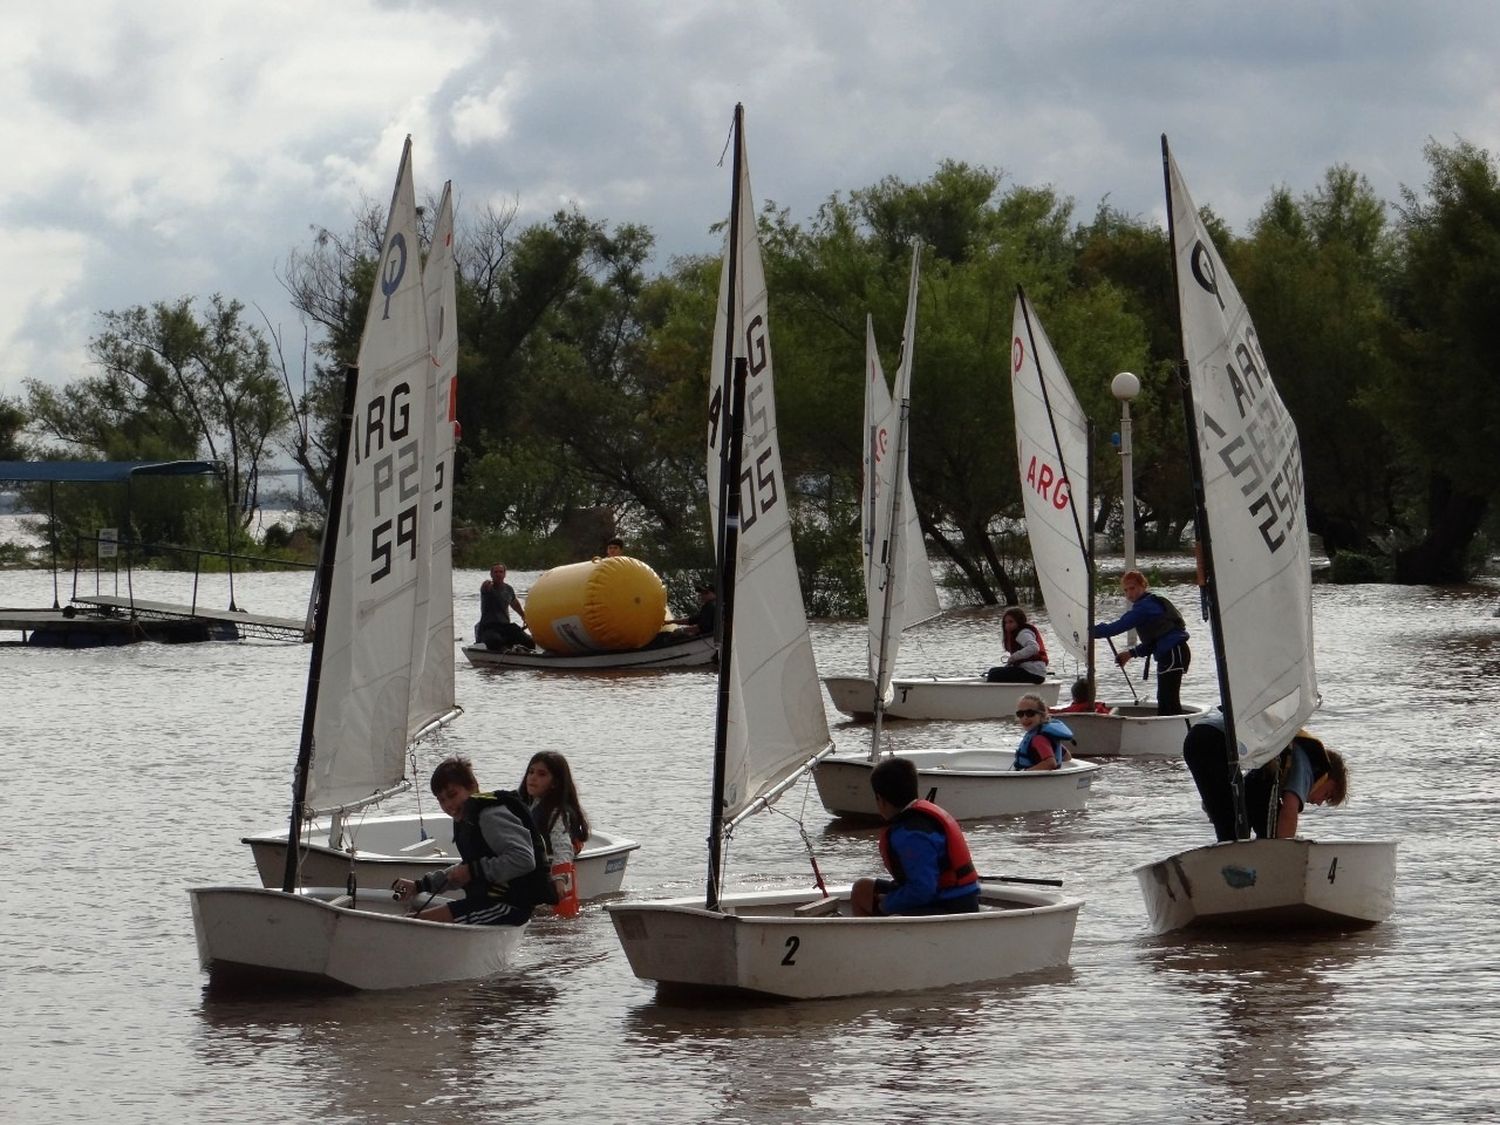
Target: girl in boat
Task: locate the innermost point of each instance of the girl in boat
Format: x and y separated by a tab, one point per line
549	792
1025	651
1044	746
1163	634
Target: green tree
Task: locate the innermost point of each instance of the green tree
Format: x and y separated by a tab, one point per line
329	283
1440	396
852	260
12	423
1315	274
1135	258
173	385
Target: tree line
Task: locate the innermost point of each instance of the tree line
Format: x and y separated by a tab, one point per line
583	371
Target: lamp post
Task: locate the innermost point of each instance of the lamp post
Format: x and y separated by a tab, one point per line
1125	387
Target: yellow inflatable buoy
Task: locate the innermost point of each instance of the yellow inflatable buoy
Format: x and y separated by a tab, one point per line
603	605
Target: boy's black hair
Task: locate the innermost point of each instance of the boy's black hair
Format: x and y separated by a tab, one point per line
895	780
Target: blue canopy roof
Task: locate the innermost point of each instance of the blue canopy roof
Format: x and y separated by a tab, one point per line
89	472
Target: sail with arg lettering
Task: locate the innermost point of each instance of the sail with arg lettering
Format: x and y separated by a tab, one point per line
774	676
1253	498
1052	448
364	718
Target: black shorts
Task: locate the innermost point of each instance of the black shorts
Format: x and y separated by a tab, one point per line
486	912
963	904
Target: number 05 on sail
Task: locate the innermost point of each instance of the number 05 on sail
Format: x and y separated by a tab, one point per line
771	726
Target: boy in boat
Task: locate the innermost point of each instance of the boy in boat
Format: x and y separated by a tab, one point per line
1305	773
495	629
1163	634
1082	700
614	548
922	847
503	871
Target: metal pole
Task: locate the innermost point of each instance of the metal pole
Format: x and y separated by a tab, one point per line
726	535
1125	387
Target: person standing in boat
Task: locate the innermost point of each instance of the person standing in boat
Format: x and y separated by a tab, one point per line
614	548
1025	651
1163	634
1044	746
495	629
503	868
922	847
1305	773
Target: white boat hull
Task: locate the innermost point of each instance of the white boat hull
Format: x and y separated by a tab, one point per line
969	784
694	653
1130	730
251	935
1273	885
759	946
387	848
961	699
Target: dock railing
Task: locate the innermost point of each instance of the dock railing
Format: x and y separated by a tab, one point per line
91	552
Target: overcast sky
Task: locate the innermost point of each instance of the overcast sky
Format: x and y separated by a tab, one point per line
184	147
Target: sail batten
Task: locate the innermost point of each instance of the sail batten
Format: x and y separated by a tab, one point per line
1252	484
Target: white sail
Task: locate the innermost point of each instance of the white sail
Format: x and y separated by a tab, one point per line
913	594
1253	492
434	662
1052	455
775	681
364	695
881	425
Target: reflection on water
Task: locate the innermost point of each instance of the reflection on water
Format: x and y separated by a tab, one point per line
133	773
1271	1007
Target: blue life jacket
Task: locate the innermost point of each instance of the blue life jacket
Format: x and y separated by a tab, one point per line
1053	729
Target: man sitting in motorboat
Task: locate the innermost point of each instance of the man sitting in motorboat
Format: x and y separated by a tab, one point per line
705	620
1044	746
503	871
495	629
922	847
1305	773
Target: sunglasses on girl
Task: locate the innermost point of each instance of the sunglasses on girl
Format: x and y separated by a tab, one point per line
1026	713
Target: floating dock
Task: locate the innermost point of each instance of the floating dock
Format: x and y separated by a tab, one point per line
100	620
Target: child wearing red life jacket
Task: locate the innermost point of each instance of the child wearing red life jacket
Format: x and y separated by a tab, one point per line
1025	651
922	847
1081	701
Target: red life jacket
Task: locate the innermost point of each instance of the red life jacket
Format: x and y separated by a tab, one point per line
958	864
1041	645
